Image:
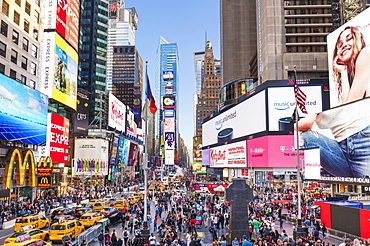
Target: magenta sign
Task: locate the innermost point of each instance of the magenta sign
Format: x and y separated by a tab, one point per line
272	151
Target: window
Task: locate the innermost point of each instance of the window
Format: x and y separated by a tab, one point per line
34	51
14	56
5	8
15	37
2	49
37	2
18	2
33	68
24	62
23	79
37	16
16	17
26	26
28	8
4	28
25	44
35	34
33	84
13	74
2	68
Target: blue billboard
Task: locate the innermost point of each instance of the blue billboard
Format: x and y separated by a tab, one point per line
123	151
23	113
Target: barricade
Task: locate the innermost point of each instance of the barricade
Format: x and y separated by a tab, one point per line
141	241
89	235
8	224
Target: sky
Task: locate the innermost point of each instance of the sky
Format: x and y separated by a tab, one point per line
185	23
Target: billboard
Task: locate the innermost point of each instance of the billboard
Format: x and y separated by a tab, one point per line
117	114
167	75
57	138
81	117
169	113
169	157
281	105
91	156
131	125
169	141
59	70
245	118
123	151
169	125
205	157
114	152
272	151
229	155
169	102
63	16
23	113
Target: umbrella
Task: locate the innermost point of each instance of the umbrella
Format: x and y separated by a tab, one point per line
313	226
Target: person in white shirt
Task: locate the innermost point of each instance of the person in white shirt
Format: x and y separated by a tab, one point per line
152	239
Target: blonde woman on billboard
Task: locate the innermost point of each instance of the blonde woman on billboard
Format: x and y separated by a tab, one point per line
348	154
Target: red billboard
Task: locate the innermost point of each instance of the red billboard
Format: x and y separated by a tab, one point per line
67	21
58	136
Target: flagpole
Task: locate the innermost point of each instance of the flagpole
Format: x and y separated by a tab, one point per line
145	165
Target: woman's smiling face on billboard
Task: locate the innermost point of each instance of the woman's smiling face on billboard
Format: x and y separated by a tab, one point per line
345	46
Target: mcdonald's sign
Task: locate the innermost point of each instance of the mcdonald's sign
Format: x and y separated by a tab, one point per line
44	165
44	181
20	159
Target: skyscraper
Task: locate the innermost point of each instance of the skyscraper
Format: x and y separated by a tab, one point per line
93	55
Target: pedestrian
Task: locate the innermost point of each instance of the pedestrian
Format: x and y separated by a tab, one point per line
324	230
281	221
235	242
66	239
245	242
83	243
101	239
152	239
119	241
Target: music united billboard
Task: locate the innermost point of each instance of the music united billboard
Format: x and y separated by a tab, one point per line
342	133
23	113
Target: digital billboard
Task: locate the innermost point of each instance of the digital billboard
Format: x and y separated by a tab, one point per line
81	117
23	113
342	133
169	102
63	16
169	113
117	114
168	75
272	151
57	138
205	157
123	151
131	125
229	155
59	70
169	141
91	156
169	124
114	151
281	105
245	118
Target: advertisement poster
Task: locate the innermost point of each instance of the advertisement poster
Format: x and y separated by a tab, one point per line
229	155
114	152
205	157
131	125
59	70
312	167
91	156
133	154
123	151
23	113
57	138
169	102
272	151
169	141
81	117
117	114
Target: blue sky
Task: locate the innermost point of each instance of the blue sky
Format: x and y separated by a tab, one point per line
184	23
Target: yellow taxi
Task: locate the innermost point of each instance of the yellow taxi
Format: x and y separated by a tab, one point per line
33	234
93	201
139	195
37	221
90	219
29	242
70	227
98	206
133	199
119	204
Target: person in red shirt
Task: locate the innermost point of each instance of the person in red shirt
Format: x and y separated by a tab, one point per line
192	224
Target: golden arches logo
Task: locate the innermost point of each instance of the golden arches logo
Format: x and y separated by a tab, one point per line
44	165
21	159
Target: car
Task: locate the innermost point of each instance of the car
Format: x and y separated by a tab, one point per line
33	234
61	212
60	218
37	221
113	214
90	219
85	205
99	206
120	204
81	211
30	242
70	227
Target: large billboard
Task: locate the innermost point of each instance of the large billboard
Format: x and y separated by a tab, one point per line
131	124
114	151
23	113
272	151
169	124
281	105
57	138
63	16
81	117
229	155
59	70
117	114
247	117
123	151
342	133
91	156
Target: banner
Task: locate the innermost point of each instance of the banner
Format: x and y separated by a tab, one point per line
81	117
230	155
123	151
117	114
114	152
57	138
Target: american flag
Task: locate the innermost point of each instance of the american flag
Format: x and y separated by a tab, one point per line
300	98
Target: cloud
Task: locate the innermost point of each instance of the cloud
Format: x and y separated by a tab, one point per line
7	94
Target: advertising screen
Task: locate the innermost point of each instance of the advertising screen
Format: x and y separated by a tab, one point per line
117	114
272	151
131	125
133	154
81	117
167	75
169	124
247	117
169	141
169	102
169	113
57	138
123	151
169	156
59	70
91	156
281	105
114	152
23	113
205	157
229	155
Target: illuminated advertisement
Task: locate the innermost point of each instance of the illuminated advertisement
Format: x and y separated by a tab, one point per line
169	157
81	117
167	75
133	154
312	167
131	125
205	157
169	124
117	114
23	113
63	16
59	70
342	133
169	113
229	155
272	151
114	152
281	105
57	138
169	90
113	9
123	151
245	118
169	102
169	141
91	156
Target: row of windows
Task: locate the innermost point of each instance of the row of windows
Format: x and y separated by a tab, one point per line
308	29
13	75
311	39
17	18
14	58
306	2
312	48
308	11
308	20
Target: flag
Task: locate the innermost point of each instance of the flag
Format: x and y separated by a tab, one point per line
149	101
300	98
293	119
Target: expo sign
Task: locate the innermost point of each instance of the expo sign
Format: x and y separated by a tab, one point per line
67	23
58	138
